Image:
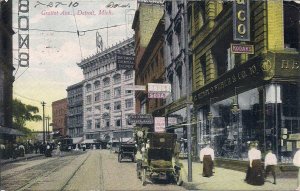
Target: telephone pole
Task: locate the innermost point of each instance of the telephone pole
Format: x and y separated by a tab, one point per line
188	112
43	104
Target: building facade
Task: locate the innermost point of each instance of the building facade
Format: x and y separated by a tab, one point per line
59	117
75	110
6	64
107	98
149	61
239	98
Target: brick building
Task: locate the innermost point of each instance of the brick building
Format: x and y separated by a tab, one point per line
149	61
59	117
242	97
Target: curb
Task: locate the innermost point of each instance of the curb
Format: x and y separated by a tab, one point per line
19	159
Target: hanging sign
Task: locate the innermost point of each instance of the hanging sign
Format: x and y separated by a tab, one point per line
159	124
23	32
241	20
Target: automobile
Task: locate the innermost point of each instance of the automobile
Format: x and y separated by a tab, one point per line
160	158
127	151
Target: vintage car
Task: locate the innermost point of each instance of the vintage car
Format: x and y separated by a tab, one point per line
160	158
126	151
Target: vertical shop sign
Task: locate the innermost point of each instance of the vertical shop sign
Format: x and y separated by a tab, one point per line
241	20
159	124
23	32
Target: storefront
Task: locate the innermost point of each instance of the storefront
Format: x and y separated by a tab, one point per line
255	101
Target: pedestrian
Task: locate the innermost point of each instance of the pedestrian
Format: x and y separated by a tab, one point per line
296	162
58	149
207	157
270	164
254	174
48	152
21	150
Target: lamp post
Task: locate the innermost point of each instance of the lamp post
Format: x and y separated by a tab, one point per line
43	104
235	111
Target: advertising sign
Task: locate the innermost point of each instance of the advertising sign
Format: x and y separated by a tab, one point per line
242	48
125	62
159	91
159	124
141	119
23	32
135	87
241	20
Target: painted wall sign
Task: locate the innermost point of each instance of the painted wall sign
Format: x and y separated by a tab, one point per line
241	20
242	48
23	32
125	62
141	118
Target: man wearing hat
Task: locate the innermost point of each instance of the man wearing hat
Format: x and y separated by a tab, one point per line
270	163
254	174
207	156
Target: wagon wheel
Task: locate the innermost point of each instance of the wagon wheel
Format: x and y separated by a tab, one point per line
119	158
179	178
144	177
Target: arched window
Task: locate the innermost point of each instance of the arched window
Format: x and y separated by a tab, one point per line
128	74
97	84
117	78
88	87
106	81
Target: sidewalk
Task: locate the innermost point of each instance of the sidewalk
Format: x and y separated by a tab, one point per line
225	179
27	156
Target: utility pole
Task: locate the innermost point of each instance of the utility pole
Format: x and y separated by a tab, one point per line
188	113
43	104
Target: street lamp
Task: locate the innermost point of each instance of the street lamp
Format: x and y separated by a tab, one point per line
235	111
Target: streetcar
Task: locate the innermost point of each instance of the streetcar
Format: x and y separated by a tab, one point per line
66	144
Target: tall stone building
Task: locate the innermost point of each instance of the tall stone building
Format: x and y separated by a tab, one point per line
238	97
59	117
149	62
107	98
75	110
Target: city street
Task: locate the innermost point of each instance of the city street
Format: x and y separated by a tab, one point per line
91	170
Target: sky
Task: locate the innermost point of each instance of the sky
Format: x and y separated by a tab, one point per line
54	54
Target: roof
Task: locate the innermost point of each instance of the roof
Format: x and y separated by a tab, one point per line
10	131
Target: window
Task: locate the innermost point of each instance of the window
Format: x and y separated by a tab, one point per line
89	124
118	123
97	96
117	92
106	95
107	106
117	78
88	87
106	81
98	108
89	109
117	105
128	92
106	122
97	123
129	103
97	84
128	74
89	99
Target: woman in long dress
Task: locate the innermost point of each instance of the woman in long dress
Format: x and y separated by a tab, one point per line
207	157
255	174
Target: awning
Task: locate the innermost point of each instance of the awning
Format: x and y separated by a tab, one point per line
88	141
77	140
10	131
